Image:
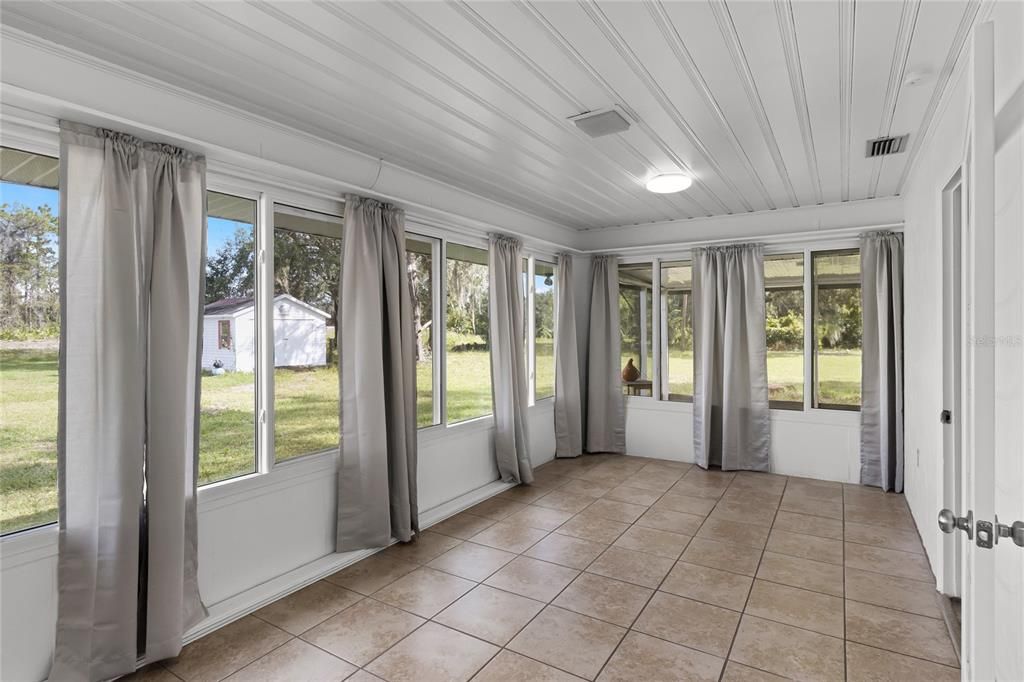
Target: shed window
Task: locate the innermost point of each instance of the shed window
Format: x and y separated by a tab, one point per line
224	334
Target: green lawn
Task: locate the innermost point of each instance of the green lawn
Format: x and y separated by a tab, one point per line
306	413
785	375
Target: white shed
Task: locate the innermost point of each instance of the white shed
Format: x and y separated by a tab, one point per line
300	334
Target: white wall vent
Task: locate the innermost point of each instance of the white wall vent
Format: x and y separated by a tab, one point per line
601	123
883	146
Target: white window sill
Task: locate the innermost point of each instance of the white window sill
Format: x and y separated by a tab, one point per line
811	416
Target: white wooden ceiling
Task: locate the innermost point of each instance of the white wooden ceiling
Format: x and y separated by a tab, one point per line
767	104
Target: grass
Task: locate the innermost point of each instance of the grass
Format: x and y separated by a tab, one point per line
785	375
306	413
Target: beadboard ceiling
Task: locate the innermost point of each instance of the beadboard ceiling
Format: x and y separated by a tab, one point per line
767	104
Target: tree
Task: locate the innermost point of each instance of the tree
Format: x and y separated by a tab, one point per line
229	272
29	281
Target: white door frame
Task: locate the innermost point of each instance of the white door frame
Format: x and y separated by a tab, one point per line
953	225
978	634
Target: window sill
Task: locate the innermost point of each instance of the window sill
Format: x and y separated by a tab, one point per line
283	475
28	546
812	416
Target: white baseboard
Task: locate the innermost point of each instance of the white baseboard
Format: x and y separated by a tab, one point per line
255	598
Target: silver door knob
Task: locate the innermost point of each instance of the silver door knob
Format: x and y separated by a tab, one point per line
1015	532
949	522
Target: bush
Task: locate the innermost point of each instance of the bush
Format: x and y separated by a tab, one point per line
785	332
48	331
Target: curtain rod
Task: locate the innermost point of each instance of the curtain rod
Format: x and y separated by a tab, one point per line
788	237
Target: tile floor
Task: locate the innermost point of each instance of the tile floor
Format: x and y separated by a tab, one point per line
616	568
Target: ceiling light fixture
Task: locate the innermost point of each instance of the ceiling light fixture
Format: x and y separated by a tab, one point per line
667	183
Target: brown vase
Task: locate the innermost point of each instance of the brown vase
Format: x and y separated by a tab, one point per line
630	372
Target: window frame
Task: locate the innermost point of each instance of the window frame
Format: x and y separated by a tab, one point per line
531	315
40	146
437	261
661	356
224	339
793	405
812	307
653	325
475	243
267	333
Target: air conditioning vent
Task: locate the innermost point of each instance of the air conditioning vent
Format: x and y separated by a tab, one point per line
886	145
601	123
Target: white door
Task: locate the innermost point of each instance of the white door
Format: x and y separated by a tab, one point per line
993	472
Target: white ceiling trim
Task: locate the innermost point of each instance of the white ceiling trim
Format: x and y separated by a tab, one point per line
622	48
582	204
897	71
791	48
682	55
665	148
739	59
847	25
157	116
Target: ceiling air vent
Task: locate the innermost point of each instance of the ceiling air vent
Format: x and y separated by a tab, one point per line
601	123
886	145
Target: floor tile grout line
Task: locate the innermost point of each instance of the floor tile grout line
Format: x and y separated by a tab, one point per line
718	502
760	558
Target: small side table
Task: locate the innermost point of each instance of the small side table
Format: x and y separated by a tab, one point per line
638	387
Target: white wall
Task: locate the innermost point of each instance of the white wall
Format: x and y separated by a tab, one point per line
823	444
938	161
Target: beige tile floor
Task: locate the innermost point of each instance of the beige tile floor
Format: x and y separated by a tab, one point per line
616	568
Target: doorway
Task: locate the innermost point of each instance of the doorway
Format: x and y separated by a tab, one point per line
952	375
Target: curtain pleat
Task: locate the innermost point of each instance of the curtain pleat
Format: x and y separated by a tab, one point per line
731	426
606	411
508	360
881	412
568	401
377	497
132	235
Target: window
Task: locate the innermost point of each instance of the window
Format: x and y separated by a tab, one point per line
677	331
227	411
420	263
29	339
224	334
837	329
467	345
784	329
543	329
307	265
635	316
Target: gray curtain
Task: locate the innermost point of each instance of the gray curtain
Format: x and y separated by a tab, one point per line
376	343
508	360
568	402
731	427
606	411
132	236
881	412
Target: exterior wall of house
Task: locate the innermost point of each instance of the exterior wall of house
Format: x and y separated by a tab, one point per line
212	350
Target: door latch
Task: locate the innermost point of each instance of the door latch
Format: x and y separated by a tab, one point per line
946	417
948	522
983	531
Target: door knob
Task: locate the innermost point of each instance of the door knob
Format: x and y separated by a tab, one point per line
948	522
1015	532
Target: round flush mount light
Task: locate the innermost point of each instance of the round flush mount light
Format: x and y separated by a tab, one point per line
668	183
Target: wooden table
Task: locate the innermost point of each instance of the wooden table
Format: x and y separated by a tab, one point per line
637	387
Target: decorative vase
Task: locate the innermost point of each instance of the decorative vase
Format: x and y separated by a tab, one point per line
630	372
